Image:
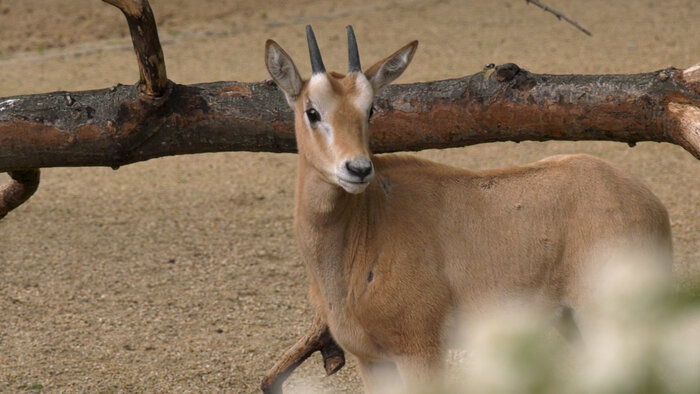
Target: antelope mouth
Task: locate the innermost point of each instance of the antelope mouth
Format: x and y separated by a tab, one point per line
354	186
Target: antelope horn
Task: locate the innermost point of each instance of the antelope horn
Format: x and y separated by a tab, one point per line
353	53
316	61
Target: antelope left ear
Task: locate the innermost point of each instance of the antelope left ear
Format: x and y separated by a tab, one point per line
388	69
283	71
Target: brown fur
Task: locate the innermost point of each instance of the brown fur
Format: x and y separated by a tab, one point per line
436	239
389	266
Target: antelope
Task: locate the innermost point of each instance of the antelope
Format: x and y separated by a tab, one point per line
395	245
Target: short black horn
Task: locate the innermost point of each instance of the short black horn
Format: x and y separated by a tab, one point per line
316	61
353	53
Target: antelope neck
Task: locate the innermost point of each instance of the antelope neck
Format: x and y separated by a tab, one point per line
333	231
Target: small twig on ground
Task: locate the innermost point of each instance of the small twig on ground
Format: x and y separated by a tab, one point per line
558	14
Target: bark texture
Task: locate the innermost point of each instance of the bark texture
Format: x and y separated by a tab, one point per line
118	126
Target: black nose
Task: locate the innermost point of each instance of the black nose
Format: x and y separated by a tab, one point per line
359	168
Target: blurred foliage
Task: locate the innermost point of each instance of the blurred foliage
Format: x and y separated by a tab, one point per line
640	335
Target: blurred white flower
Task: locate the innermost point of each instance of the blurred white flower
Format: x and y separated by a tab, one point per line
630	289
636	338
510	351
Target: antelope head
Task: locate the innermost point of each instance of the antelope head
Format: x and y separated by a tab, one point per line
332	110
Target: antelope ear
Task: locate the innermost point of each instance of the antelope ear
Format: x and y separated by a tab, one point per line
388	69
283	71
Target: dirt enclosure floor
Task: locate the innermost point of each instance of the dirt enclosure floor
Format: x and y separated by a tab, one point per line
181	274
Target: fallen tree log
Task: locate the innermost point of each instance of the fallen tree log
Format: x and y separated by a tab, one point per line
118	126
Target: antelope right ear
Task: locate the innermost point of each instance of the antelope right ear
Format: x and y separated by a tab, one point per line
391	67
283	71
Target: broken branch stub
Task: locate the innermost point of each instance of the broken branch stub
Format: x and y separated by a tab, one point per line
18	190
692	74
317	338
149	54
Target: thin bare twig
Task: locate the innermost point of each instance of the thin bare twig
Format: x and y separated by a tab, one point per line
558	14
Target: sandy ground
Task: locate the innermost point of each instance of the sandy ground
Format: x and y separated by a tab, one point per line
181	274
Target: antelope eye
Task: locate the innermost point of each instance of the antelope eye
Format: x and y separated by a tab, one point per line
313	115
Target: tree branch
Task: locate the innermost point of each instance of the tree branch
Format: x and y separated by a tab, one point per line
149	54
18	190
317	338
558	14
114	127
153	85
